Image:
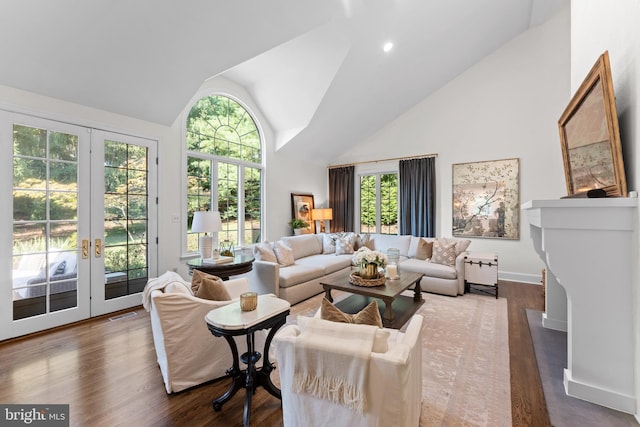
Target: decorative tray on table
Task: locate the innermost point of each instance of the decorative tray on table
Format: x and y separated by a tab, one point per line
355	279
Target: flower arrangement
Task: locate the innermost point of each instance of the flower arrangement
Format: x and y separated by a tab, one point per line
364	256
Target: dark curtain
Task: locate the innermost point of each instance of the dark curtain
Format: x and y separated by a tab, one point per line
341	198
417	197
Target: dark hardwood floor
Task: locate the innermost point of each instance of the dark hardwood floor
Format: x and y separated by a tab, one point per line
106	371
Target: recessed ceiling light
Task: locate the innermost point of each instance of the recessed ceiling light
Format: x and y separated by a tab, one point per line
387	46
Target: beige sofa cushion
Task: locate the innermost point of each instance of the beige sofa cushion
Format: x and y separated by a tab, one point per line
299	273
328	264
382	243
304	245
429	269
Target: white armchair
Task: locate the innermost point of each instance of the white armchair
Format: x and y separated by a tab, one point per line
393	390
188	353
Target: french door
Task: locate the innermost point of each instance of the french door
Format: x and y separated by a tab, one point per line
78	222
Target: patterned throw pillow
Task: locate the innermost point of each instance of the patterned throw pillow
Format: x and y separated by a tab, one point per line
284	254
208	286
444	253
329	244
264	252
370	315
345	244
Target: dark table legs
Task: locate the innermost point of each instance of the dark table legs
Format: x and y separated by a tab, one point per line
250	378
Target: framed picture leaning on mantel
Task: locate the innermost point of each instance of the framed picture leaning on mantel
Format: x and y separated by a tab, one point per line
486	199
590	136
301	206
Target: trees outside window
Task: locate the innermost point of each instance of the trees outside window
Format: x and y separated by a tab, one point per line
379	203
224	169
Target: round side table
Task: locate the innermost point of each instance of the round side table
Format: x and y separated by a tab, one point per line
239	265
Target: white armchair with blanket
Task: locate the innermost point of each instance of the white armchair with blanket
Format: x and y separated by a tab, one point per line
188	353
392	388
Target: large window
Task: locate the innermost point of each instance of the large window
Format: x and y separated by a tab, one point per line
379	203
224	169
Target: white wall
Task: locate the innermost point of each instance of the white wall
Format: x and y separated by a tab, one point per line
506	106
595	27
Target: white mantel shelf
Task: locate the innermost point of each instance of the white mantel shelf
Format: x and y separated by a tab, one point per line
588	248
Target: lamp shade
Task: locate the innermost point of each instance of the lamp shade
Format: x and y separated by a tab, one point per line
322	214
206	222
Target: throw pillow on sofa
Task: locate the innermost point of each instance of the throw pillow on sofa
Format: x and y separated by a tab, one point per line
208	286
345	244
284	254
461	244
424	249
329	244
370	315
444	253
264	252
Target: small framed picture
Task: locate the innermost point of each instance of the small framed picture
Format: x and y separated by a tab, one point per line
301	206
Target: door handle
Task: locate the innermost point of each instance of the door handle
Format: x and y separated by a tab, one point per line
98	248
85	248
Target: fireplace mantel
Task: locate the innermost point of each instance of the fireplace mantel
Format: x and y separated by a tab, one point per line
587	246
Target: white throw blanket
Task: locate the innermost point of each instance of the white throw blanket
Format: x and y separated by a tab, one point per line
159	283
332	361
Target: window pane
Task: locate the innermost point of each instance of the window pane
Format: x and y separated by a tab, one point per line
63	146
29	141
368	204
63	176
125	212
252	199
379	191
29	173
228	201
389	203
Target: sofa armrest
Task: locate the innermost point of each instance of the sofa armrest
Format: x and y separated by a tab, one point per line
264	278
460	271
235	287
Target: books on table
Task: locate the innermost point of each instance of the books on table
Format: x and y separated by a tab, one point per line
219	260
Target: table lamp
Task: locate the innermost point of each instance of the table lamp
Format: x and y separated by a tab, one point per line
206	222
323	215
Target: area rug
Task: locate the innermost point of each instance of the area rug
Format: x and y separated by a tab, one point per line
465	360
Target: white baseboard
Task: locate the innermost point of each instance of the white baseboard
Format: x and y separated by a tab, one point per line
520	277
598	395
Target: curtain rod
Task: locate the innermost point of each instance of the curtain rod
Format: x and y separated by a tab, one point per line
383	160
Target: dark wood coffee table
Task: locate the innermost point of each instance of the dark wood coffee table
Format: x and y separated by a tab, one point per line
395	309
240	264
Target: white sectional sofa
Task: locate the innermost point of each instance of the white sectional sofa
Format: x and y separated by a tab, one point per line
311	261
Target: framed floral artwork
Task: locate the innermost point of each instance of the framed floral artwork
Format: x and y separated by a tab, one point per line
486	199
301	206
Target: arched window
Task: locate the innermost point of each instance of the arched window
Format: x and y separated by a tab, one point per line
224	169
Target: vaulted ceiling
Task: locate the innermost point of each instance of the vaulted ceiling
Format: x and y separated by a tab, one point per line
316	69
